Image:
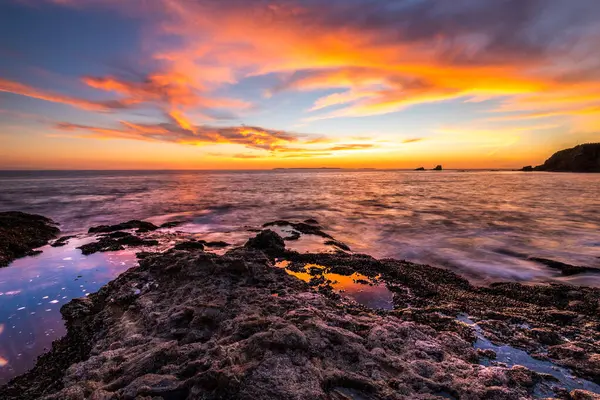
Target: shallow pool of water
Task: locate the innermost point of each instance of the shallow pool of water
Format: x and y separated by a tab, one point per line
513	356
357	287
32	290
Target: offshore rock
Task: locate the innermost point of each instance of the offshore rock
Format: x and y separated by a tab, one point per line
268	241
20	233
62	241
141	226
302	227
114	242
565	269
189	245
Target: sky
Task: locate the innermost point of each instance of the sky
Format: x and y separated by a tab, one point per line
253	84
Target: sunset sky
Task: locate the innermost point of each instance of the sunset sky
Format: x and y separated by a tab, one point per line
228	84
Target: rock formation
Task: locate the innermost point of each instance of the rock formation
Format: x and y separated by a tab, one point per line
581	158
189	324
20	233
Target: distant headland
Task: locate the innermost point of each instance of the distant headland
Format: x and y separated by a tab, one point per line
581	158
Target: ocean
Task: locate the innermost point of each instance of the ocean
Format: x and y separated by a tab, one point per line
483	225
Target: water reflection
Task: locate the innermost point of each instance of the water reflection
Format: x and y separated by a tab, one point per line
513	356
33	289
360	288
302	243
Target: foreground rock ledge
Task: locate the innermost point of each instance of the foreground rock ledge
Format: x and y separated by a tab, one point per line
194	325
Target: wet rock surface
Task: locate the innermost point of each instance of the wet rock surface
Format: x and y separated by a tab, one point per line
141	226
172	224
116	241
539	319
188	324
565	269
62	241
267	241
307	228
250	331
189	245
21	233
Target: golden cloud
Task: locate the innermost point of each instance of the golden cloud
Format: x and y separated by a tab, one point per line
378	57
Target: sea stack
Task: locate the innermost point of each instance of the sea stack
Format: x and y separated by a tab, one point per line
438	168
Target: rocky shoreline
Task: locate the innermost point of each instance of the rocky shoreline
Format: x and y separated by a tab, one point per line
190	324
21	233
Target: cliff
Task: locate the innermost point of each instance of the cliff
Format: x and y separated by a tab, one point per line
581	158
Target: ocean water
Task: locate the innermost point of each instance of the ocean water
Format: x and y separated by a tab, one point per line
483	225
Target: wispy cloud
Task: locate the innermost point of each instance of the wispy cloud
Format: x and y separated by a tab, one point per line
271	142
538	56
29	91
412	140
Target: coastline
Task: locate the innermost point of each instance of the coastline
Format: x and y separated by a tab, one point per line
239	324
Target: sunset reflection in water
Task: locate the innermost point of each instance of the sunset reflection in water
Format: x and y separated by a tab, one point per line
357	287
33	289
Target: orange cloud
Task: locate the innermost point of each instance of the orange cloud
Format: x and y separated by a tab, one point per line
29	91
168	90
312	47
270	142
377	57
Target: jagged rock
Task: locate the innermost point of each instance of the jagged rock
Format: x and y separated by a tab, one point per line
115	243
308	229
565	269
420	169
579	394
438	168
217	244
487	353
189	245
62	241
267	240
172	224
117	235
546	336
20	233
141	226
212	329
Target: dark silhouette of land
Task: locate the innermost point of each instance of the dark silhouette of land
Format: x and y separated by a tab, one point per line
581	158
